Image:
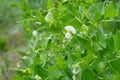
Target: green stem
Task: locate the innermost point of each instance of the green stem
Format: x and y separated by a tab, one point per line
110	20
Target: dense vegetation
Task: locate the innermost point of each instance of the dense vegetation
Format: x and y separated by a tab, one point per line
70	40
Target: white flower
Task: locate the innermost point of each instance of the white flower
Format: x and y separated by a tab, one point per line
37	77
68	35
18	65
34	33
49	16
38	23
76	69
70	29
24	57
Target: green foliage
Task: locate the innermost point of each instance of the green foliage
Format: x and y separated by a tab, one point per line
3	44
67	41
110	11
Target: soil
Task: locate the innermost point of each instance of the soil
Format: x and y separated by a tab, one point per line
9	58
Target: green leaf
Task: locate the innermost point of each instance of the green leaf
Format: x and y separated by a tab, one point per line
84	43
37	59
25	62
50	4
110	11
96	12
55	73
39	15
42	72
110	43
49	41
90	1
43	58
63	78
60	61
17	78
115	65
22	53
88	75
68	72
115	77
60	6
102	39
117	40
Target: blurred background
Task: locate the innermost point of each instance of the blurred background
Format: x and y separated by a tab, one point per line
12	33
11	36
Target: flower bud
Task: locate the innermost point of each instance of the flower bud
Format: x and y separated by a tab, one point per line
68	35
34	33
37	77
70	29
76	69
49	17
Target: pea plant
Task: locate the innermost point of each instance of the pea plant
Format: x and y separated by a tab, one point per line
71	40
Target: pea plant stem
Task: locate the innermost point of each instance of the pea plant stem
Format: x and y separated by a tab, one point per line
110	20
